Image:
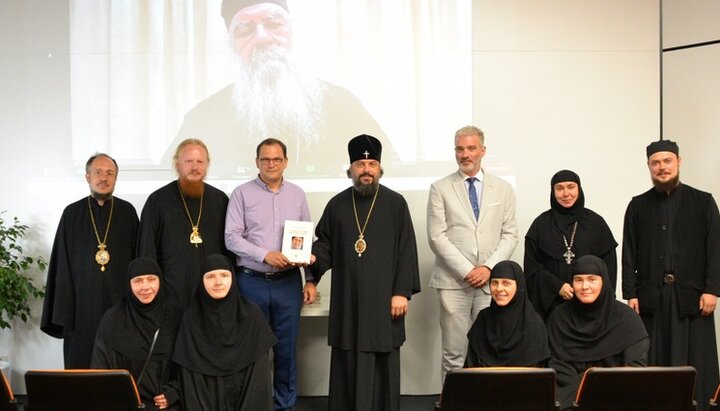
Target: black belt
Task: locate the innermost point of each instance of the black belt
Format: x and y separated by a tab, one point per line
669	278
268	276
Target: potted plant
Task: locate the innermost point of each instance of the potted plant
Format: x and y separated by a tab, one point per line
16	287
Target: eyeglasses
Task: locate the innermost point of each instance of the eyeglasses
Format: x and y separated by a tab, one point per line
266	161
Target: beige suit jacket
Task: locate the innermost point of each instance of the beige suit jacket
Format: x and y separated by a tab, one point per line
461	243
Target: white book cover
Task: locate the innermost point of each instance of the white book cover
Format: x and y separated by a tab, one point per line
297	241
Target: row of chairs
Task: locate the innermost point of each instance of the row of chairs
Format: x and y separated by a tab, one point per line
533	389
76	390
529	389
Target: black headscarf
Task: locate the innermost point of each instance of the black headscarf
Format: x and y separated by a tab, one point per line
224	336
129	326
566	216
592	234
513	335
581	332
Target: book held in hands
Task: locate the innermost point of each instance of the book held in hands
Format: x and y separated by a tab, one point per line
297	241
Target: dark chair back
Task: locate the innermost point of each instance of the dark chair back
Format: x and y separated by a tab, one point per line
637	388
7	399
503	388
81	390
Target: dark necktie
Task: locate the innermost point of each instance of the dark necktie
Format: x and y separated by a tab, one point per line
473	196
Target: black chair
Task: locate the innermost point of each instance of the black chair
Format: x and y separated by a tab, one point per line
7	399
637	388
715	400
82	390
504	388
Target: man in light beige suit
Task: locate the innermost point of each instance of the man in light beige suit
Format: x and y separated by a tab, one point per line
471	227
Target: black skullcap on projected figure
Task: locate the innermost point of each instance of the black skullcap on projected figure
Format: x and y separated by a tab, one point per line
366	237
273	97
671	268
230	7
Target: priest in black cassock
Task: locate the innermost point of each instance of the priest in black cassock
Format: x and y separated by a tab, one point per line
94	243
183	222
366	237
671	268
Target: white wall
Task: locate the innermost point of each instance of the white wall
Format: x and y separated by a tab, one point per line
691	86
563	84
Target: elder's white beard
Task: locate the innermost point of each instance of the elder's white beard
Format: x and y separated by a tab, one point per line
274	99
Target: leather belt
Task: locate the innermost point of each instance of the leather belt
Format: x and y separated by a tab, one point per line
669	278
268	276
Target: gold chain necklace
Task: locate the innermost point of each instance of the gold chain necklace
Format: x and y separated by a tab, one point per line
102	257
360	244
195	235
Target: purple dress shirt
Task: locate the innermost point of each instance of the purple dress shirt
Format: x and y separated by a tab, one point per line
255	221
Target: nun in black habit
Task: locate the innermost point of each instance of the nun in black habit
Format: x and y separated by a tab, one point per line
138	333
558	237
593	330
221	353
509	332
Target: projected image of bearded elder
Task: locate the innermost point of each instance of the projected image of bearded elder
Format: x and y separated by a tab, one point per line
271	97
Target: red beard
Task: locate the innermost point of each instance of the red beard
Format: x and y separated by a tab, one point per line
193	189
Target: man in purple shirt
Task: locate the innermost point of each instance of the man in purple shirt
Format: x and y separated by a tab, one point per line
254	227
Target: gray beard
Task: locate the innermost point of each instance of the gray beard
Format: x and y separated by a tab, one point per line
366	189
273	99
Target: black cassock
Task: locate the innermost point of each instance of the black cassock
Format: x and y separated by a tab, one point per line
679	234
133	334
362	287
107	355
545	267
165	237
78	293
221	352
604	333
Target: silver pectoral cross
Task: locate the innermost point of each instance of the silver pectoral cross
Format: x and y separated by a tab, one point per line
569	255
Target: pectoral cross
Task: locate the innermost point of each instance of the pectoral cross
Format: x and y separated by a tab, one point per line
568	256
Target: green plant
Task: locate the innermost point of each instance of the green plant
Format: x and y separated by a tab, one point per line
16	287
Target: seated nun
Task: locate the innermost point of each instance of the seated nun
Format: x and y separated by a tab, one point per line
593	330
138	334
509	332
221	353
